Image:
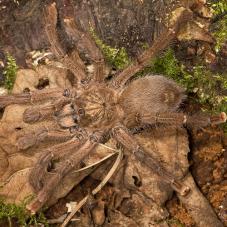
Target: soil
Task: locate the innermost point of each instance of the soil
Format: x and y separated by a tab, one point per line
208	167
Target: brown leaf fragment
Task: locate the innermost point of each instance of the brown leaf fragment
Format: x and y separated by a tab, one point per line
192	31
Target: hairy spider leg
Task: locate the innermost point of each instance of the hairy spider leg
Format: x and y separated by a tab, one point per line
181	119
122	135
31	97
70	61
64	110
67	166
80	41
53	153
42	134
38	113
158	45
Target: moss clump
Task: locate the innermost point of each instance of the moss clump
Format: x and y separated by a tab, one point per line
220	33
10	72
18	214
218	6
175	221
219	9
167	65
171	222
116	57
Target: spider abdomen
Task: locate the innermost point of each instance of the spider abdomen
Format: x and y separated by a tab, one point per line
151	94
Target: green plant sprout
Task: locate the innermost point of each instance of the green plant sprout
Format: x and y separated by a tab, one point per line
10	72
220	33
116	57
171	221
219	8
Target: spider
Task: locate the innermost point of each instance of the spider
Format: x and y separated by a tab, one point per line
95	110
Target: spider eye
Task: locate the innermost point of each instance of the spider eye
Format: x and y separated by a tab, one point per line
75	119
74	129
66	93
72	106
84	81
81	112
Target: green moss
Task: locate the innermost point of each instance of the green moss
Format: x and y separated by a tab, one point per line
168	65
221	34
171	221
220	28
116	57
175	221
18	214
218	7
10	72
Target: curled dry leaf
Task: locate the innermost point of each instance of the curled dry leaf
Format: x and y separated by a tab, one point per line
194	31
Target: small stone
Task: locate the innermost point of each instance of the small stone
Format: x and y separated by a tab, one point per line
3	91
71	206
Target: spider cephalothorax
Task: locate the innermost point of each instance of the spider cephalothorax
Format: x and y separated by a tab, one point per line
99	104
94	110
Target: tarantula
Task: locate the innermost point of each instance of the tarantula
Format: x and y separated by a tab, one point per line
96	109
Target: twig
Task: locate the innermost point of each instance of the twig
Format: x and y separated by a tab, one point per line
57	220
96	163
9	221
98	188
